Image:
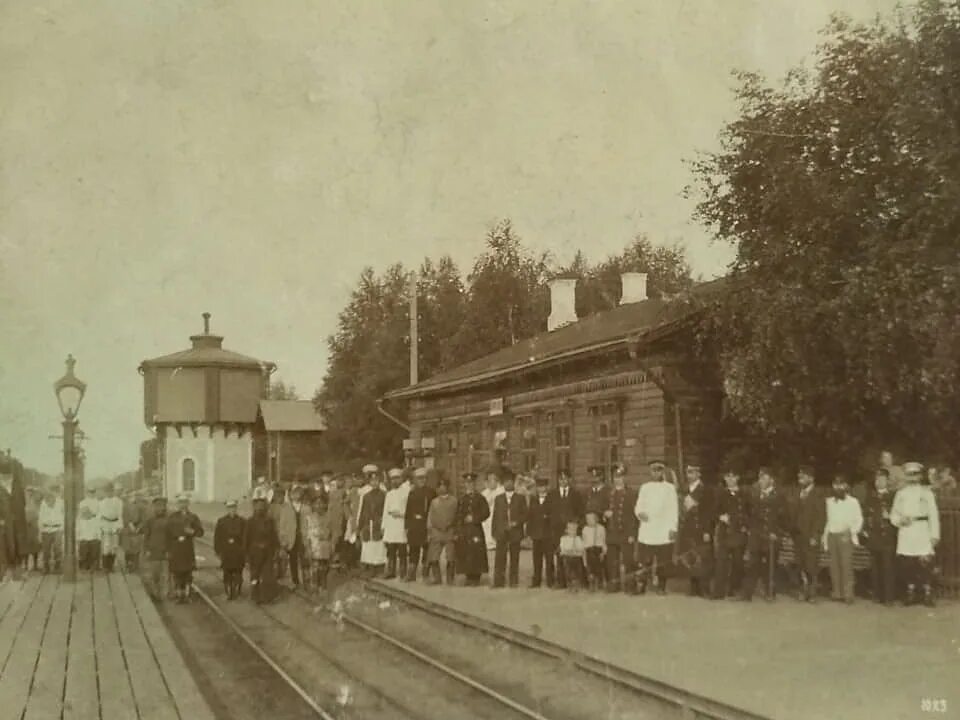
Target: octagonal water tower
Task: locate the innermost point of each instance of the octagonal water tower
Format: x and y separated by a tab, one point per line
202	404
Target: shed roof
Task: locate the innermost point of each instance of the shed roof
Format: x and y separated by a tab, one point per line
291	416
642	320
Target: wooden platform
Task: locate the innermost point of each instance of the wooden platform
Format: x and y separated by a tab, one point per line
91	650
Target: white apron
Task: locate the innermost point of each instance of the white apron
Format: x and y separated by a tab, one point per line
490	496
394	528
372	552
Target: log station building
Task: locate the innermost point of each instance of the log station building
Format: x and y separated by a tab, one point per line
621	386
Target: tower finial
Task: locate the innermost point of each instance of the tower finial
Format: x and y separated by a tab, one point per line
206	323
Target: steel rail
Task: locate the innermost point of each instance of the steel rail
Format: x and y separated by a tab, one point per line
251	643
689	704
410	650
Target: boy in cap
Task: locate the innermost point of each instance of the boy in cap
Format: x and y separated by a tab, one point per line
917	518
228	544
51	519
509	517
540	530
415	517
471	546
568	506
393	525
155	548
441	532
657	510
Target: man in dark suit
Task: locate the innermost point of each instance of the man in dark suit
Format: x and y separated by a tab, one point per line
509	516
540	522
809	517
568	507
697	519
880	537
622	525
730	536
766	528
415	515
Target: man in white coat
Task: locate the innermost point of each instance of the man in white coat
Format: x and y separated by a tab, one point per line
658	511
111	521
917	518
490	492
88	531
394	525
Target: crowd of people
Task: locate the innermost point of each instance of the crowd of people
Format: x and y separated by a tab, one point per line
726	540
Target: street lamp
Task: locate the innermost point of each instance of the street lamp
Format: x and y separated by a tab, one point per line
70	391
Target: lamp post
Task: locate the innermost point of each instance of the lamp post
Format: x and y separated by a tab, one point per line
70	391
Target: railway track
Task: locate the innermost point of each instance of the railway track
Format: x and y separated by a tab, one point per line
344	668
517	674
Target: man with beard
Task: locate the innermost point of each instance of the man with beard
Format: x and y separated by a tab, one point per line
917	518
182	527
696	531
621	535
415	516
261	546
228	544
373	552
840	536
658	512
810	516
471	547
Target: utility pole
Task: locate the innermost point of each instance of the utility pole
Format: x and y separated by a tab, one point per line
414	332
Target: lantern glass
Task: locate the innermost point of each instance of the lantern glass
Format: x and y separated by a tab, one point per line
69	398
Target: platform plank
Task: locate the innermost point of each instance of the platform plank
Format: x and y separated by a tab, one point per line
116	695
8	593
46	695
17	676
13	619
189	700
81	697
154	701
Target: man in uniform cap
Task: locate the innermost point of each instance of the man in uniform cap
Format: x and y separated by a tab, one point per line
155	548
373	553
621	534
415	516
228	544
471	548
657	510
509	517
917	518
730	536
182	527
394	527
111	522
540	530
767	525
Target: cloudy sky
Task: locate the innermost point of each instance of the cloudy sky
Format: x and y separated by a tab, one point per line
248	158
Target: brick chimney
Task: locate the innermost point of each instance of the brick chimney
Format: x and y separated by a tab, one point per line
563	308
634	287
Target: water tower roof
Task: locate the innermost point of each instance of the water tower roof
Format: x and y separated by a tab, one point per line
206	350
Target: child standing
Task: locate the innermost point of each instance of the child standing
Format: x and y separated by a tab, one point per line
594	538
318	547
571	554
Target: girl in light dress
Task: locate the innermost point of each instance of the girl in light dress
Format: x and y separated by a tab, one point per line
318	544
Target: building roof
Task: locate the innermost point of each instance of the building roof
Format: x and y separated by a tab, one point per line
291	416
207	350
642	321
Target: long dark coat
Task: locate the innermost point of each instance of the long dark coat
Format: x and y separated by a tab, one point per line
566	509
880	534
698	521
768	516
508	522
736	506
622	525
471	547
180	550
229	540
371	516
261	544
418	507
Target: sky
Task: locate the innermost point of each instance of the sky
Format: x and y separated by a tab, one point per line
249	158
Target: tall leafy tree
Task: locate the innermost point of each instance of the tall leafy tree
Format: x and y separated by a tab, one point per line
441	306
507	299
841	192
279	390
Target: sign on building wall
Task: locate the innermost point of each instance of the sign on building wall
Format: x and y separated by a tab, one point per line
496	407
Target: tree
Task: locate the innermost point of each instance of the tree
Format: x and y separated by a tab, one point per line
841	193
441	306
280	391
507	300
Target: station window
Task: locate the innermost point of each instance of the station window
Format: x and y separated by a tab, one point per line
527	445
188	475
606	434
